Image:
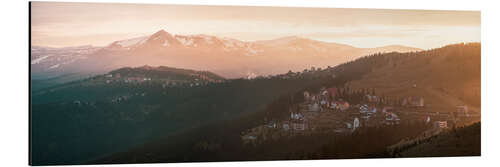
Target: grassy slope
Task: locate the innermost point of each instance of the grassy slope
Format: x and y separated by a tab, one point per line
464	141
445	77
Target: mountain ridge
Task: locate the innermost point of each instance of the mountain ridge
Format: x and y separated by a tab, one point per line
280	40
228	57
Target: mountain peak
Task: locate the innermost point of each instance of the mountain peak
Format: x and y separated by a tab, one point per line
161	32
163	38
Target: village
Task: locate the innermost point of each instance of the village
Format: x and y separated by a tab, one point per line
326	111
193	80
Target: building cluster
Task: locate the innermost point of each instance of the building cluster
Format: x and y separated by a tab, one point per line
196	80
413	101
110	78
324	111
327	111
325	99
123	98
120	99
311	73
80	103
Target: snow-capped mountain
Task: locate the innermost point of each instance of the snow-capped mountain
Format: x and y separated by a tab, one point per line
228	57
164	40
51	62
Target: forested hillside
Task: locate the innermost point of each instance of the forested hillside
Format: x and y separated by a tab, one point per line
166	114
96	118
446	77
221	141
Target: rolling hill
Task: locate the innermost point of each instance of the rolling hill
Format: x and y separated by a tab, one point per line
446	77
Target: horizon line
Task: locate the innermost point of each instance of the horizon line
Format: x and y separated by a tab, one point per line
225	37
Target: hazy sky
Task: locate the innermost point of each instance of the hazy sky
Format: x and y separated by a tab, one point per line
99	24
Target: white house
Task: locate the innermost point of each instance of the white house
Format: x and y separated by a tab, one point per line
296	115
349	125
367	109
324	92
440	124
355	124
333	105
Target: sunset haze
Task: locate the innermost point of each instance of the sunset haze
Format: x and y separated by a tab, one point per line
58	24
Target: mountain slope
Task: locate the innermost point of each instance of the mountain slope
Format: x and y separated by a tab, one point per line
446	77
464	141
47	62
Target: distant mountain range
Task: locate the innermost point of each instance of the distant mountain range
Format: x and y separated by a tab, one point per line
227	57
